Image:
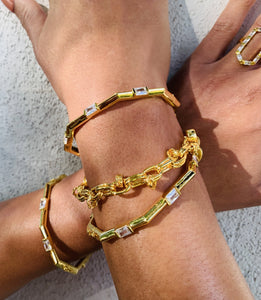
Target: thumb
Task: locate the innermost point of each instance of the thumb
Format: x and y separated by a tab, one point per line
31	15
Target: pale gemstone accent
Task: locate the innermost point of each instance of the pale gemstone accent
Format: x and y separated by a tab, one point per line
258	29
42	203
90	110
240	48
256	59
140	91
239	57
123	231
248	63
65	140
194	157
172	196
47	245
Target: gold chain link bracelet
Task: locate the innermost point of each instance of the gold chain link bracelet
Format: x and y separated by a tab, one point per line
47	240
95	109
149	177
167	199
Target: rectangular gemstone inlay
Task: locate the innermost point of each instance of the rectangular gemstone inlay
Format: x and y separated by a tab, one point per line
141	91
91	109
239	57
42	203
65	140
194	157
47	245
123	231
172	196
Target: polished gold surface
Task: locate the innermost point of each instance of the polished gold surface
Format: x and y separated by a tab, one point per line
243	43
167	199
149	177
47	240
95	109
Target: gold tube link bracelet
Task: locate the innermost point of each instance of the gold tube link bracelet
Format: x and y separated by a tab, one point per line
47	240
149	177
167	199
94	109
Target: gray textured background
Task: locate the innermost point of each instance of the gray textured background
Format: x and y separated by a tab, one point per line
32	122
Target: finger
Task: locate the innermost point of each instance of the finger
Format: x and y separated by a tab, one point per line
32	17
215	43
9	4
249	52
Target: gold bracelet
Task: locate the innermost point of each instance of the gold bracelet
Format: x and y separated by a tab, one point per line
95	109
167	199
47	240
149	177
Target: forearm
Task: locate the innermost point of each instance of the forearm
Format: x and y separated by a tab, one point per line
22	255
127	138
186	237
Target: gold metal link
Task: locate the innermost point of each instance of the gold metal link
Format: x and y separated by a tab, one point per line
47	240
167	199
95	109
149	177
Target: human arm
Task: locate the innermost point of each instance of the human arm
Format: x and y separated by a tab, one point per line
22	254
157	150
221	99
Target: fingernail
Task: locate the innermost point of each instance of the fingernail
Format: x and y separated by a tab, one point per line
9	4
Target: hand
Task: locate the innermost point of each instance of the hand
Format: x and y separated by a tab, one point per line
221	99
96	48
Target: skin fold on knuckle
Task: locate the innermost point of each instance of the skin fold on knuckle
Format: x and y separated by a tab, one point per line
245	3
224	26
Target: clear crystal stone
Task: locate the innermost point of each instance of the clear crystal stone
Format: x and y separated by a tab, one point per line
141	91
256	59
123	231
172	196
239	57
42	203
65	140
91	109
240	48
47	245
247	63
194	157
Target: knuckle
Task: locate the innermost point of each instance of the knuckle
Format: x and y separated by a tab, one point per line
224	26
247	3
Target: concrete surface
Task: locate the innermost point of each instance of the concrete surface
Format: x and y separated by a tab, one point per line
32	122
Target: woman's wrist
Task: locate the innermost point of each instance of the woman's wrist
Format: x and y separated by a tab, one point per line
68	219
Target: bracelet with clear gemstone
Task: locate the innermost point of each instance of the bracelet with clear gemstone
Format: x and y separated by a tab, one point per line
47	240
94	109
243	43
149	177
167	199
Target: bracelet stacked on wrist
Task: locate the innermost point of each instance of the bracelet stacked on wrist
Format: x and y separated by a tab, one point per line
190	152
47	240
95	109
149	177
167	199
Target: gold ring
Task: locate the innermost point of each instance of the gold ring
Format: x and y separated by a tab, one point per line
243	43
